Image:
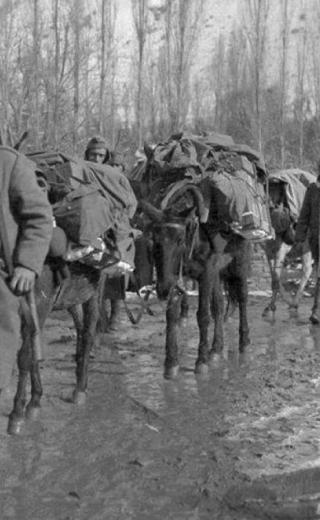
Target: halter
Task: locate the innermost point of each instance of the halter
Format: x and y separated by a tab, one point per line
175	225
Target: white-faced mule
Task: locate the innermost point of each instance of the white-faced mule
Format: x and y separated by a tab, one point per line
183	245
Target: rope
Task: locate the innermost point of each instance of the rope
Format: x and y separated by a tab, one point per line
144	305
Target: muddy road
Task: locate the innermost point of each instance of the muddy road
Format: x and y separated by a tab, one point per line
242	443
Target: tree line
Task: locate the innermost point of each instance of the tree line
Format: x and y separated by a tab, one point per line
62	77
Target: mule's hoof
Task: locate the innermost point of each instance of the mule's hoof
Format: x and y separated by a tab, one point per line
113	325
32	413
112	329
215	358
15	426
171	373
314	318
244	345
201	369
79	398
183	322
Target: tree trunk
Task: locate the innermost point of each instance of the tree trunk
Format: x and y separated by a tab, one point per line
283	80
102	67
56	72
76	72
36	53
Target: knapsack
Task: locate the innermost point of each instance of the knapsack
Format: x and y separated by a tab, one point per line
84	214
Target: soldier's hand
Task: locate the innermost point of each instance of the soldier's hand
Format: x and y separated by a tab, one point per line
22	280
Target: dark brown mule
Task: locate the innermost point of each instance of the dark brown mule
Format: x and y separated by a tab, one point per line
79	295
182	243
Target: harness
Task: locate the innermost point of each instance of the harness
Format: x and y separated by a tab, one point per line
179	286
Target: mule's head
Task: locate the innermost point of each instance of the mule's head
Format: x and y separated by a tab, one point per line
279	211
277	194
172	238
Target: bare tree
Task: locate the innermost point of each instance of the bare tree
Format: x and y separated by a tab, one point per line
255	23
140	17
103	65
6	28
77	9
283	77
108	16
57	57
36	83
219	79
301	100
182	19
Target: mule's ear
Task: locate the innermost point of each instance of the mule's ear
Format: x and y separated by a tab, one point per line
148	150
156	215
24	136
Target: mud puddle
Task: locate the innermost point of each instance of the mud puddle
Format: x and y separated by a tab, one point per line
242	443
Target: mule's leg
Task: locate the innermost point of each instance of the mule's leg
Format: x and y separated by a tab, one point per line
274	287
16	417
276	252
284	294
315	314
203	318
44	306
217	305
77	316
115	305
306	273
184	309
171	364
240	269
244	339
90	319
33	407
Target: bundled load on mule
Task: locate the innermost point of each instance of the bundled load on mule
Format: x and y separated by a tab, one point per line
287	191
92	207
231	178
295	183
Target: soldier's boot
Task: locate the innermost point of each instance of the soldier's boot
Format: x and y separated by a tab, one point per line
315	314
114	315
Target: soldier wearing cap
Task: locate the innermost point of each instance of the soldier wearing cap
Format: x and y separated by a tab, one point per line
98	151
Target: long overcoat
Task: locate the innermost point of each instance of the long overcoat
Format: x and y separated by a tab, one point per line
26	211
308	222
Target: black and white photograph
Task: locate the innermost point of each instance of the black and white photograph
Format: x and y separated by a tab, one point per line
159	259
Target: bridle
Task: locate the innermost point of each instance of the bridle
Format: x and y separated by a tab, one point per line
179	286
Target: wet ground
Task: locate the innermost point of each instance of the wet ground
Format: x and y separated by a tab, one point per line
243	443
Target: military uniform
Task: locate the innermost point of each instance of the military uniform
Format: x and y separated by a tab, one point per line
309	225
308	221
98	151
28	222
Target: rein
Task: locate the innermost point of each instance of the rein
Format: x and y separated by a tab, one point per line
143	301
179	285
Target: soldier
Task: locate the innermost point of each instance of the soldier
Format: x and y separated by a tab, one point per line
25	234
98	151
308	225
